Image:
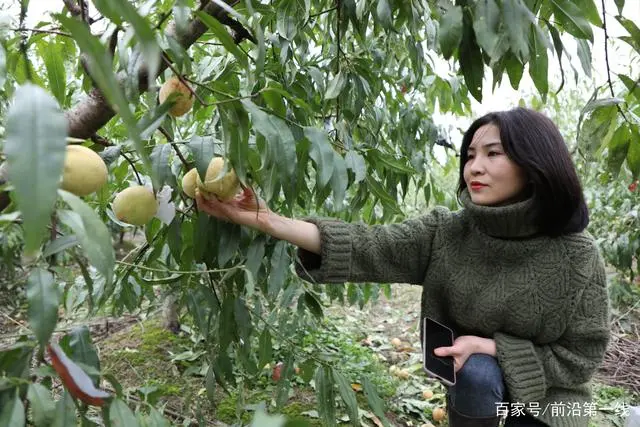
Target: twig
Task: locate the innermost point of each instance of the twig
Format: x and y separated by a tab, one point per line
14	320
163	18
164	270
606	59
36	30
339	17
97	139
23	39
123	154
219	92
175	147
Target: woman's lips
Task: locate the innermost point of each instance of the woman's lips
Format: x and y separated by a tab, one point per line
476	187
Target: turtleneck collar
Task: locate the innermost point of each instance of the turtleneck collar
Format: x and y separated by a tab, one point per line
509	221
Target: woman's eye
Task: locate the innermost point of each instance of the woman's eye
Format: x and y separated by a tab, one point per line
469	156
493	153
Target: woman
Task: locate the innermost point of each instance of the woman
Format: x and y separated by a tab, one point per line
514	272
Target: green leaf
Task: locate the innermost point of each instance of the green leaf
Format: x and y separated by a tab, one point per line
335	87
59	245
485	25
82	349
276	132
114	9
228	242
620	5
590	11
12	414
631	85
35	148
383	12
357	164
572	19
633	157
348	397
584	53
161	165
223	36
210	385
235	126
93	234
514	69
120	415
53	58
203	150
265	347
325	395
596	127
65	415
517	18
633	31
376	404
43	299
321	153
42	405
100	67
255	255
313	304
3	66
539	64
279	267
339	180
450	34
618	148
471	61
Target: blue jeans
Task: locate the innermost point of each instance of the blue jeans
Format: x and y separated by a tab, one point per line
479	387
479	390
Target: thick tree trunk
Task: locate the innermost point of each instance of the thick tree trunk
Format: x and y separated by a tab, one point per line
93	112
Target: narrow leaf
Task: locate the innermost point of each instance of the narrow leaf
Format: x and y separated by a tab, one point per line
471	61
339	180
65	415
279	267
43	299
42	405
633	156
450	31
517	18
572	19
321	153
161	165
618	148
223	36
325	395
120	415
334	88
53	58
3	66
539	64
348	397
203	150
35	149
12	414
59	245
377	405
584	53
93	234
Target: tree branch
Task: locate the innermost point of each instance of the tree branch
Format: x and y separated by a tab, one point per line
93	112
122	153
606	58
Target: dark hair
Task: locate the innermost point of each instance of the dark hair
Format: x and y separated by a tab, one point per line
533	142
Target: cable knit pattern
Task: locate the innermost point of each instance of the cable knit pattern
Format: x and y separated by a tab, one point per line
486	271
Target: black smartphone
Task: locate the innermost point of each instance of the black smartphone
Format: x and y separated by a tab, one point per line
436	335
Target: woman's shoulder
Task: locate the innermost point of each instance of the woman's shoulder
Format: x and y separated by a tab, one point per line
582	251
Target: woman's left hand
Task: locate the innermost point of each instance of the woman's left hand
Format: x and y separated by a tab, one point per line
464	346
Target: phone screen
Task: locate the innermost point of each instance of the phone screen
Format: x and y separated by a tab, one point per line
437	335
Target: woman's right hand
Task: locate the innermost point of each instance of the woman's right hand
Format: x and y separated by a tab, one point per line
244	209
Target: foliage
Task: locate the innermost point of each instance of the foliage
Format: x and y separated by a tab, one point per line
322	108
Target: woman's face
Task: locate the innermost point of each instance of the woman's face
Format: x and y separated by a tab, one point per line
491	176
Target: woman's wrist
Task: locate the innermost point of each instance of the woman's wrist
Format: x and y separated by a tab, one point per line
486	346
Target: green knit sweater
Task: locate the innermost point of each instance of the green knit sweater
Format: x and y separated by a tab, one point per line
486	271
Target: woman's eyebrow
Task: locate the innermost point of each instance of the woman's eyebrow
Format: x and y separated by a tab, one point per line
490	144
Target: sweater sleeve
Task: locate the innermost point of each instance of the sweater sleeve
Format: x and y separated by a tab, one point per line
356	252
529	369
